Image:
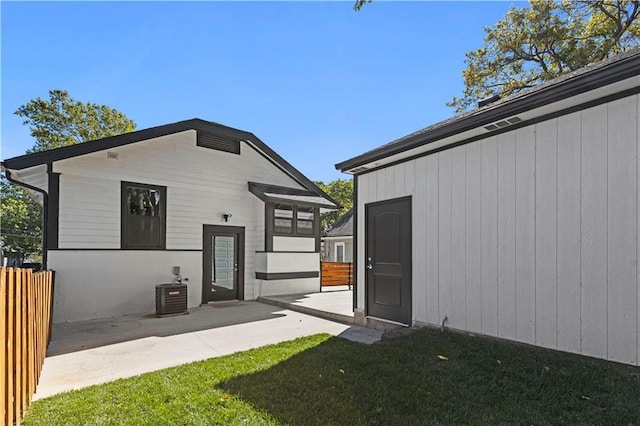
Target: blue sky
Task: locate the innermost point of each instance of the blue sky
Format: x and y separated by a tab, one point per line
316	81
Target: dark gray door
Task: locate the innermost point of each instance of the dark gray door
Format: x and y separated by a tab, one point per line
223	263
388	260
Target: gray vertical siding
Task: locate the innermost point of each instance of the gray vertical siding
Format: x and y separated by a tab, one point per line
531	235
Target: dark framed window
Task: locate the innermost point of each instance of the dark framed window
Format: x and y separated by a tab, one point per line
143	214
292	220
283	219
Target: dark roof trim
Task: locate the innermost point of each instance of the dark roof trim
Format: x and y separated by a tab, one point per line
546	117
607	72
57	154
50	156
260	190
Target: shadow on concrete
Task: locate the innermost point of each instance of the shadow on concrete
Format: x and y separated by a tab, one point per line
82	335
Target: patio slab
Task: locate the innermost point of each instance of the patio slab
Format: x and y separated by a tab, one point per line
334	305
92	352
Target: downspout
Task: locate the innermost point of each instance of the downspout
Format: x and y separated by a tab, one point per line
45	203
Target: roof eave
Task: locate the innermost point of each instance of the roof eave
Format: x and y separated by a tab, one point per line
600	77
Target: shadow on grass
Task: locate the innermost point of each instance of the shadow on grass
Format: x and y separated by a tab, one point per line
403	381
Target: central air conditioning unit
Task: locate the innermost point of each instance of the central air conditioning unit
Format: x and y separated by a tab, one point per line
171	299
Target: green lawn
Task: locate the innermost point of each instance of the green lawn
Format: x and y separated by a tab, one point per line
327	380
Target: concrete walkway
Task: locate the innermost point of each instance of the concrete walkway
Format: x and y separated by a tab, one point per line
92	352
334	303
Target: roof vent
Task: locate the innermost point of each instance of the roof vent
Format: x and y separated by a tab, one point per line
359	169
503	123
112	155
487	101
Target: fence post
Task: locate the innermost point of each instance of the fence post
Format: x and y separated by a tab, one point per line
3	350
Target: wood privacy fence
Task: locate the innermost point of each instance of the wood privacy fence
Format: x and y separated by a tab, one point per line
336	273
25	319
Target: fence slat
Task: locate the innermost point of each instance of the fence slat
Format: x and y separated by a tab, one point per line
336	273
3	351
11	313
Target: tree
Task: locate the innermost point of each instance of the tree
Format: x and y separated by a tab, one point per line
59	121
359	3
20	222
540	42
62	121
340	190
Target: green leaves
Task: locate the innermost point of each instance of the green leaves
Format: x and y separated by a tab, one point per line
62	121
20	221
56	122
340	190
540	42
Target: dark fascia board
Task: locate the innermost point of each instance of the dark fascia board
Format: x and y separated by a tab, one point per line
306	182
260	190
564	87
50	156
57	154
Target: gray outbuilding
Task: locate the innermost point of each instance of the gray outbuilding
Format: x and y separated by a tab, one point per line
518	220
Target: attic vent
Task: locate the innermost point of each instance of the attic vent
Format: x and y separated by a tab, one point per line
218	142
358	169
503	123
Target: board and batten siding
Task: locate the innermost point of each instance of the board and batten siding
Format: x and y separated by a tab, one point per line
531	235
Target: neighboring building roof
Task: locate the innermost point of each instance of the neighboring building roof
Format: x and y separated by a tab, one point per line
612	70
343	226
49	156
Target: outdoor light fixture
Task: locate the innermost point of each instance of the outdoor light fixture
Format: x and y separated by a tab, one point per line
226	216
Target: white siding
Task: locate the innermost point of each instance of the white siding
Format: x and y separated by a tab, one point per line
260	225
202	184
530	235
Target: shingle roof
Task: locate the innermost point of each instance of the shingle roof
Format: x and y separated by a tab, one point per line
343	226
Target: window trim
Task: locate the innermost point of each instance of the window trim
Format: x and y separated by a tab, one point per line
294	221
124	214
269	229
340	244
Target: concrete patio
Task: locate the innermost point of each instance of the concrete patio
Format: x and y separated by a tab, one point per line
333	303
92	352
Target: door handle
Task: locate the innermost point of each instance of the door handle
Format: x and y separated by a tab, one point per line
369	266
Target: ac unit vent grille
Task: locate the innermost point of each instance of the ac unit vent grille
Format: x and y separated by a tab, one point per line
217	142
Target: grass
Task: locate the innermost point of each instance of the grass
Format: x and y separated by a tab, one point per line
326	380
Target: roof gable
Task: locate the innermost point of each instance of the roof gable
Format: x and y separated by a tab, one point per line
199	125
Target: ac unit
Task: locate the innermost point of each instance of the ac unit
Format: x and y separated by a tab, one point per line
171	299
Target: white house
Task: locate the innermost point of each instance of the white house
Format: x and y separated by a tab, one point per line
518	220
338	241
122	212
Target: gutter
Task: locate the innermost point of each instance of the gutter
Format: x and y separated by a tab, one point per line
45	203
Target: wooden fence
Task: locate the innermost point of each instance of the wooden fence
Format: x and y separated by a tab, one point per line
25	321
336	273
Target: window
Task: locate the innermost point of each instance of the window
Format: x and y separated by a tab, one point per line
339	252
143	214
293	220
283	219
